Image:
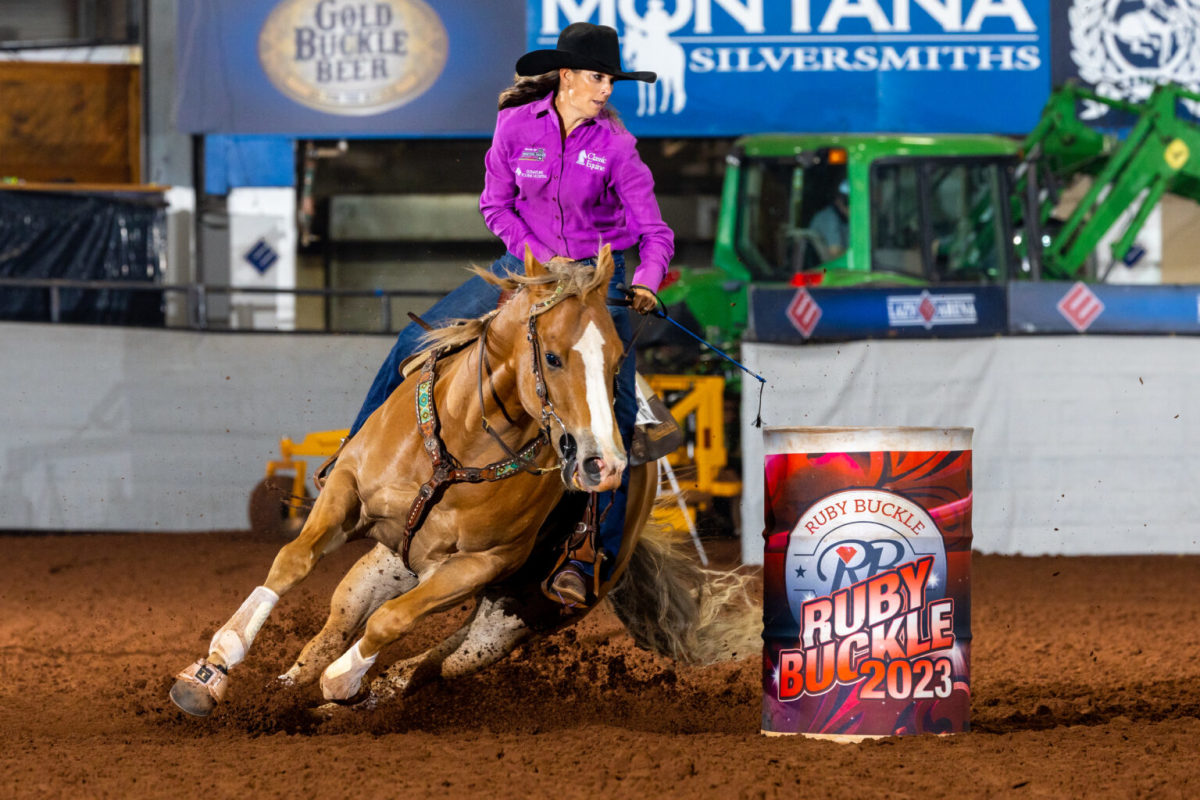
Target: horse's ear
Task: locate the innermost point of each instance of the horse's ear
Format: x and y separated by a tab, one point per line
604	268
533	267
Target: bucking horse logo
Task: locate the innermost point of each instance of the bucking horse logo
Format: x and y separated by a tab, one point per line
1124	48
648	46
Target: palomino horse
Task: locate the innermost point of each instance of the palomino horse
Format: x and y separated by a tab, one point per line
544	361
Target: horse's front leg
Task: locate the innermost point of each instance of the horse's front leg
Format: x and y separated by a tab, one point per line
378	576
458	578
200	687
491	633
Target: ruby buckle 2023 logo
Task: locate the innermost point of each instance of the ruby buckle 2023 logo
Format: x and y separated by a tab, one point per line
866	572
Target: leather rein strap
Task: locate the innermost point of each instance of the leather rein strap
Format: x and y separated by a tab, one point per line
446	468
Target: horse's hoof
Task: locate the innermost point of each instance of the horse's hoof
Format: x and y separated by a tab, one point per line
199	688
325	711
192	698
360	700
364	701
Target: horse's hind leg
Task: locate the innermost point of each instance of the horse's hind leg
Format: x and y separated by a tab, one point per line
378	576
491	633
201	686
459	577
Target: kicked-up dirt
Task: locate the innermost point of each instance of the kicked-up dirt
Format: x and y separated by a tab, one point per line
1085	683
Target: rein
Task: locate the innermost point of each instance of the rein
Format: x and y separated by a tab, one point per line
446	468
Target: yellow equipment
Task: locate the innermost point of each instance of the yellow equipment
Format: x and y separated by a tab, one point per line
274	502
697	403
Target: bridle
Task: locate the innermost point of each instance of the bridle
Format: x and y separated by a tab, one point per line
446	468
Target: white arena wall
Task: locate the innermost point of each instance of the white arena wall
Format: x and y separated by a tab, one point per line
1082	444
151	430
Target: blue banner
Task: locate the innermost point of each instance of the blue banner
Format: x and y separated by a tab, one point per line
785	315
234	161
1060	307
729	67
331	68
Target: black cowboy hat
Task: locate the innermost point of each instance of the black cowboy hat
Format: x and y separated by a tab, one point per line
582	45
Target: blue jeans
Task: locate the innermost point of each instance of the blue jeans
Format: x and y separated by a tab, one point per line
475	298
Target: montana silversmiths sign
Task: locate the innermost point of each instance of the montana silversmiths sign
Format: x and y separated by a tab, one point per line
936	66
353	58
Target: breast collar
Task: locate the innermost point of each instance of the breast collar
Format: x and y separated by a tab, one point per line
447	469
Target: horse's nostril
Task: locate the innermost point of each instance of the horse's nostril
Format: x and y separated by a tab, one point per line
593	467
566	446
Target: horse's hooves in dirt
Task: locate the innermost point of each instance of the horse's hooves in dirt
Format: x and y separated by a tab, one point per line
199	688
363	701
192	698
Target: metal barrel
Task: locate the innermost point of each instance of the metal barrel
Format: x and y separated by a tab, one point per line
867	581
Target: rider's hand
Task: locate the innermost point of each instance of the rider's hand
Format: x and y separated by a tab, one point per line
643	300
560	260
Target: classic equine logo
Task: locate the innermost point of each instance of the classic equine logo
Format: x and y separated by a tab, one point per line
1125	47
353	58
593	161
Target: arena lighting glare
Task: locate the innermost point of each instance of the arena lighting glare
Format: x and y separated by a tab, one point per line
837	155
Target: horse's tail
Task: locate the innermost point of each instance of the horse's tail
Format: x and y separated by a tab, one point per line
677	608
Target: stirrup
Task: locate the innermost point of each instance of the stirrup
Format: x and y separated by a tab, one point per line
569	586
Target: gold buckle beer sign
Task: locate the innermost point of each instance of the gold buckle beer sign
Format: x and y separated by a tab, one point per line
353	58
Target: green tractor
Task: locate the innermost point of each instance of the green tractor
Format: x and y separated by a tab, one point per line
912	210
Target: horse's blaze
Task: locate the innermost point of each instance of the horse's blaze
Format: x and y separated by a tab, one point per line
603	427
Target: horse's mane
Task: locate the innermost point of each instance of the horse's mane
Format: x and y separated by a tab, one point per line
577	280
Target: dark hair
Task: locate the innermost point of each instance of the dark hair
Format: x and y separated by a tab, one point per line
526	89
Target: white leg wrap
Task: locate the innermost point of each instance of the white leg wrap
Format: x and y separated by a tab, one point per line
343	678
234	638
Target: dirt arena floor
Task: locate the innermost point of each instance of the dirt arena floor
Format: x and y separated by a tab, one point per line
1085	684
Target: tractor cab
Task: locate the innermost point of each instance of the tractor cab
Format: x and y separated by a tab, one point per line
850	210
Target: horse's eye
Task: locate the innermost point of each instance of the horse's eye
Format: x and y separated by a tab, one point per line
553	360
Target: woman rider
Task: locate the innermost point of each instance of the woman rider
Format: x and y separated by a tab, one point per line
563	177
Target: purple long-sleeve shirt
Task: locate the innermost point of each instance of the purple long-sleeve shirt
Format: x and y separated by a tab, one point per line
570	198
